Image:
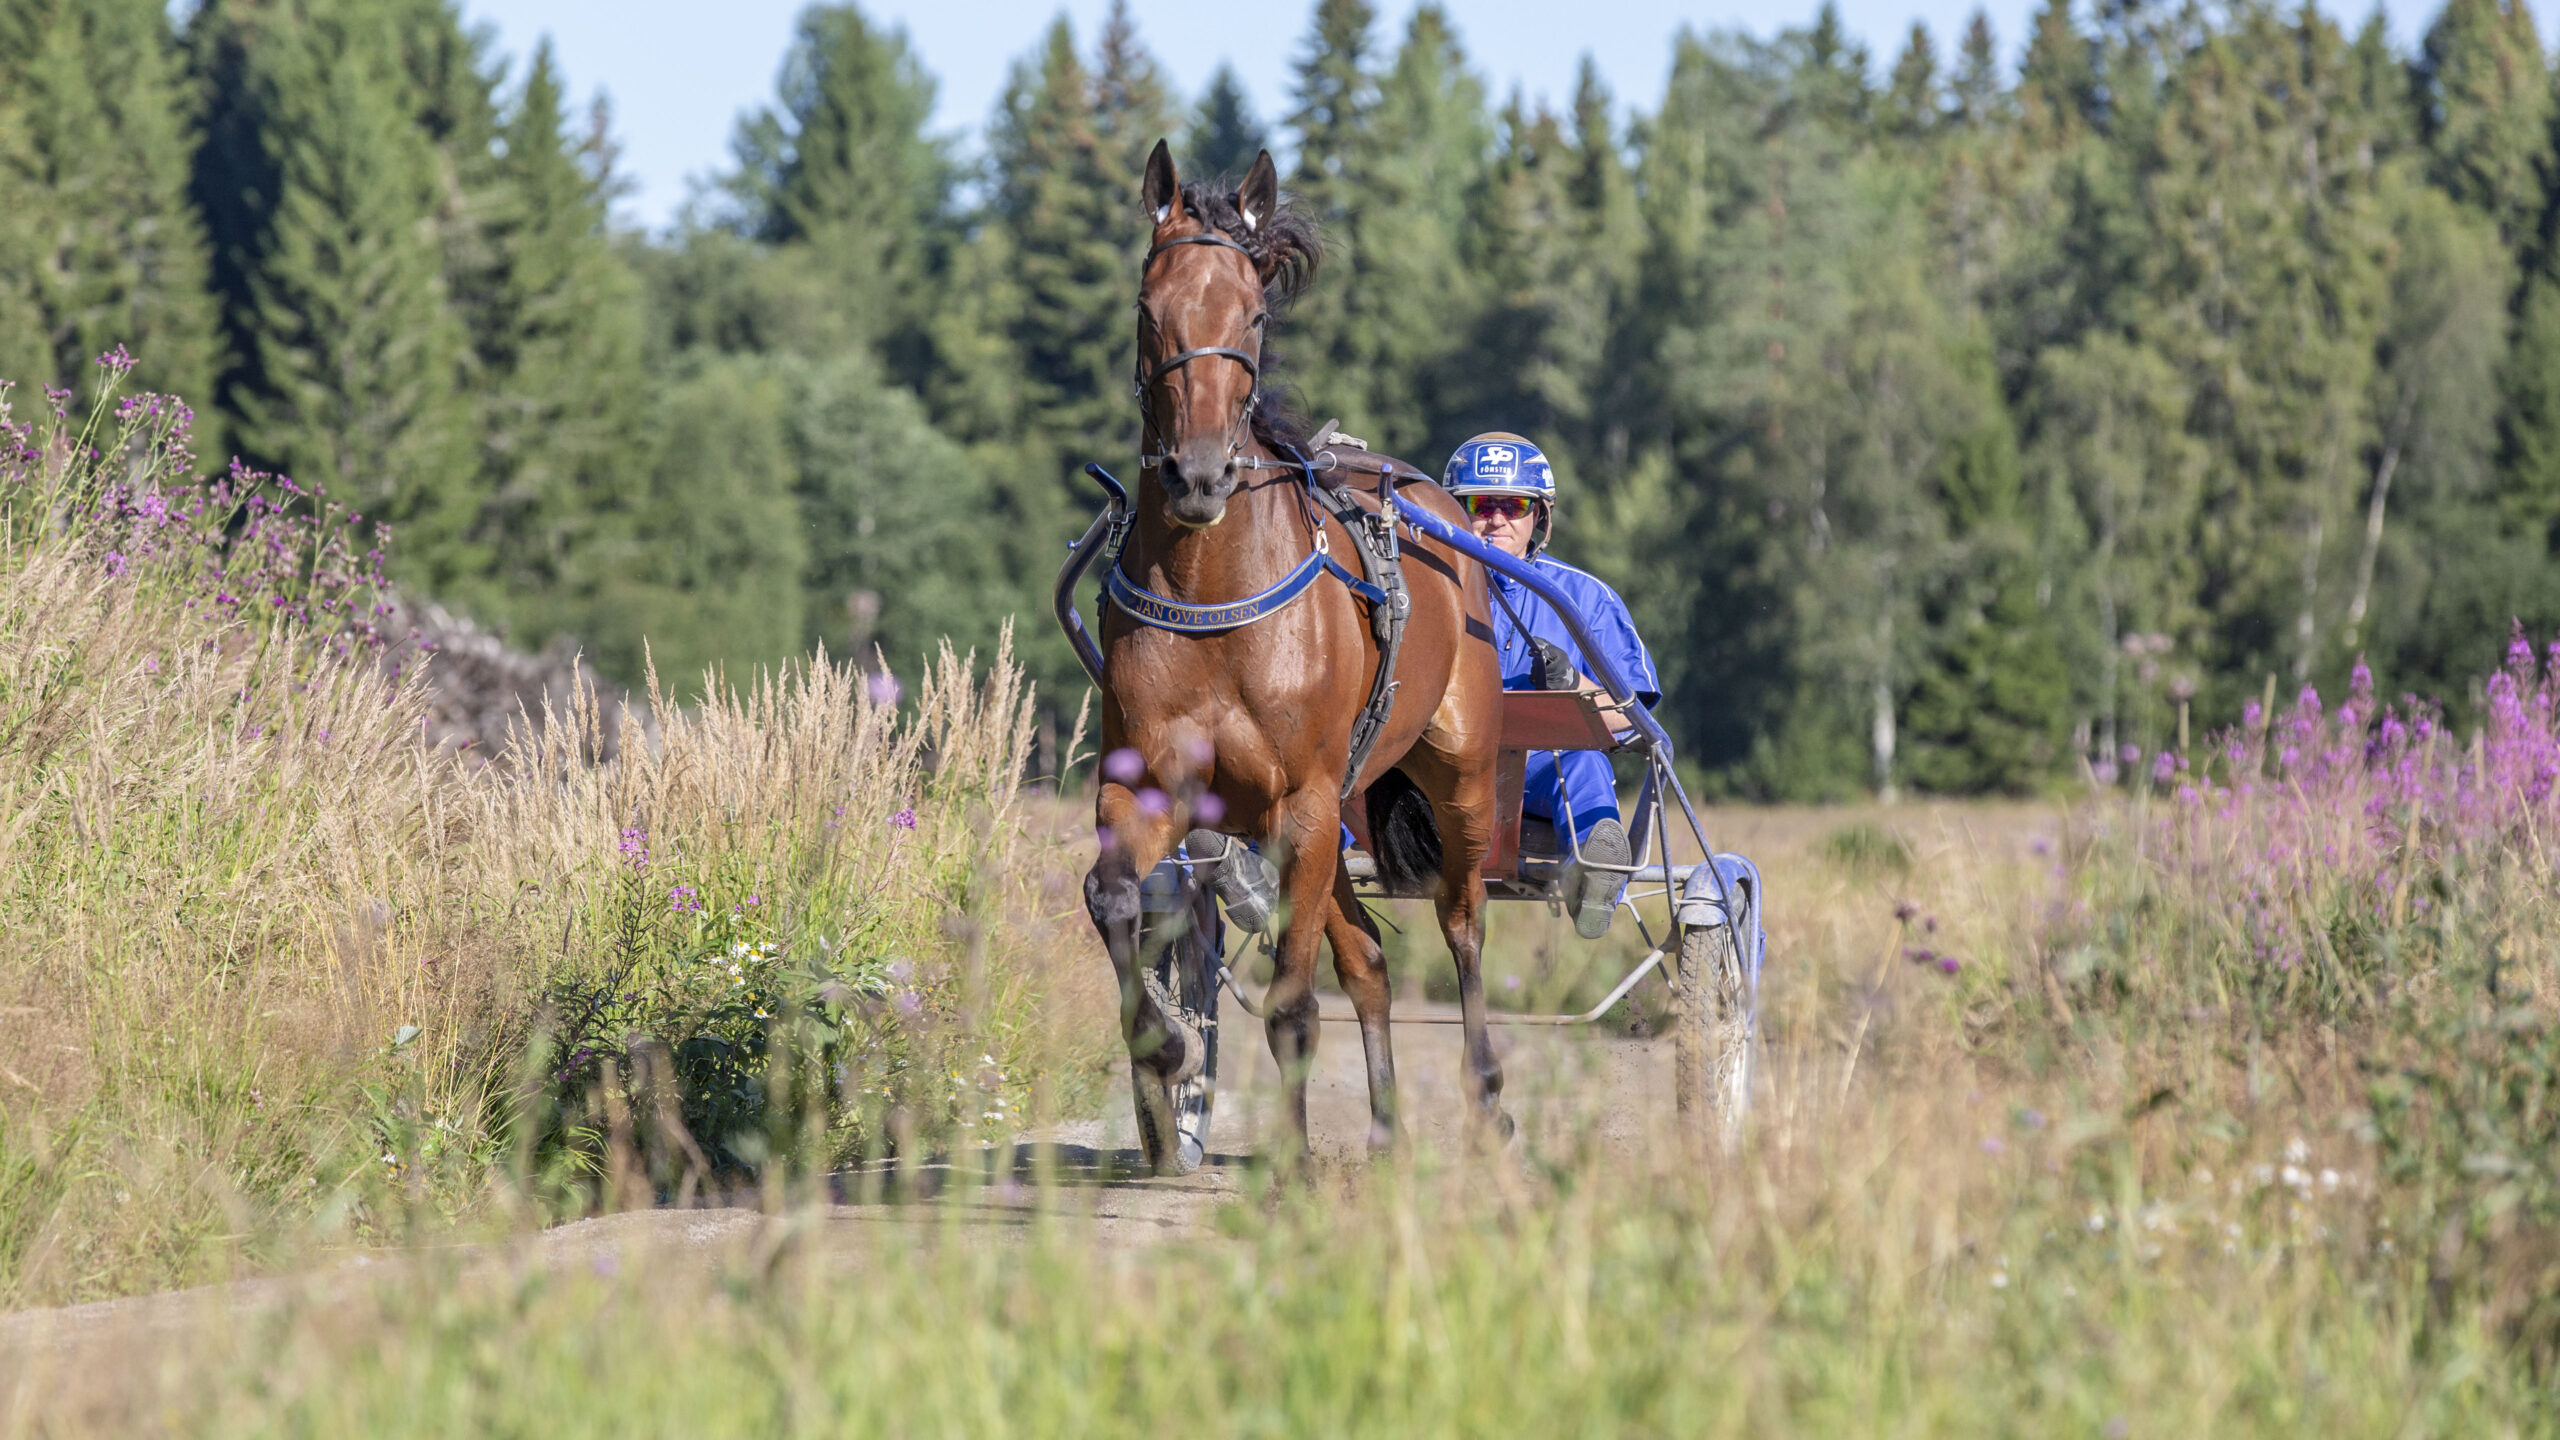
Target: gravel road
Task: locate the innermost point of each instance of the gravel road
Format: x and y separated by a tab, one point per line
1572	1088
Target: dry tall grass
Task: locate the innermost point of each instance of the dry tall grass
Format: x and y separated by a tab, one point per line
1962	1233
277	963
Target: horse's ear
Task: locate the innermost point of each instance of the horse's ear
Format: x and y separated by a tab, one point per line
1259	196
1163	189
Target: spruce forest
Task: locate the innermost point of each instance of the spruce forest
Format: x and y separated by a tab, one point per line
1951	421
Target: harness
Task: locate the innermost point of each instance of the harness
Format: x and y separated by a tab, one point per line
1373	536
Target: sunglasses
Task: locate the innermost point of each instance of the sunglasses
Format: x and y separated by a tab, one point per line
1509	507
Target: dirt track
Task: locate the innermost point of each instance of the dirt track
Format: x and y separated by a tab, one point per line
1580	1083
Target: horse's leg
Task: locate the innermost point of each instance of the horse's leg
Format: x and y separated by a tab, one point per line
1461	905
1311	831
1135	841
1361	966
1462	805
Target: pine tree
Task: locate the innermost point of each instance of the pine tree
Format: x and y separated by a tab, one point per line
1071	230
846	179
1335	91
352	354
1988	708
2058	83
2529	420
1834	73
100	249
2380	83
2484	108
896	516
1335	95
2267	289
1132	109
1911	101
1223	136
564	396
1408	293
1978	96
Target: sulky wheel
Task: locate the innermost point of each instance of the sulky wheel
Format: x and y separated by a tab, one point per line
1179	941
1712	1031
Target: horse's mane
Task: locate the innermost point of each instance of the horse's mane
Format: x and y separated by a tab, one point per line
1287	246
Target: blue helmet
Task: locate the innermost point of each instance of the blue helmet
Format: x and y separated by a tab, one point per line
1500	463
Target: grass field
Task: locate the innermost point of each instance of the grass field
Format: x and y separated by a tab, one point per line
2225	1103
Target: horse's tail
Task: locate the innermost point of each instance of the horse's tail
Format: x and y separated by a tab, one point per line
1404	836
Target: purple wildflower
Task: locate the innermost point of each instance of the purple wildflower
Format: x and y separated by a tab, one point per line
905	819
1124	765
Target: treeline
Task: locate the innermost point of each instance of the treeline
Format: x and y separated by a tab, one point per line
1947	425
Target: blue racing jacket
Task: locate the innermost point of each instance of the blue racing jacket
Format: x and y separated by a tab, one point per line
1601	612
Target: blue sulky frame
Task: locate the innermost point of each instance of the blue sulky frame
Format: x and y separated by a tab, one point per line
1723	894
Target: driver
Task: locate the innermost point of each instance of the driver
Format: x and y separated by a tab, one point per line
1509	492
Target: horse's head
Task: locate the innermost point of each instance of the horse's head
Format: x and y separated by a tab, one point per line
1213	267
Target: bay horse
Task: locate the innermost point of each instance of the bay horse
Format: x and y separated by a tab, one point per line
1261	715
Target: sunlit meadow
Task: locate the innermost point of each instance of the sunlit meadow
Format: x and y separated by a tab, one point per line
2218	1100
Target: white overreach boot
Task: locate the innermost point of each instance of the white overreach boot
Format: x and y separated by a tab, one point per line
1247	883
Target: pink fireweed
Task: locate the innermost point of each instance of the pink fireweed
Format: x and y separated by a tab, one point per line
2318	830
122	482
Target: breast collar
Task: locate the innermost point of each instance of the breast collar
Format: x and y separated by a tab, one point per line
1166	613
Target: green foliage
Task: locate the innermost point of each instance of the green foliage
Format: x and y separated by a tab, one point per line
2464	1090
713	552
1867	846
1987	711
1936	422
897	518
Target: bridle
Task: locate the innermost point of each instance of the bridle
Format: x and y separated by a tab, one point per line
1146	377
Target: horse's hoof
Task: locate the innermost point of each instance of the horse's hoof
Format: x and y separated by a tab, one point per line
1382	1137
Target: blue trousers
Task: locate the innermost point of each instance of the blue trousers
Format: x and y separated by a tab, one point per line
1580	776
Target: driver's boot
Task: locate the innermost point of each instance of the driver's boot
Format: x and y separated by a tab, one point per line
1593	894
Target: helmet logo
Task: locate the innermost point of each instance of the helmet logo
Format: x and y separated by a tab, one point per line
1497	462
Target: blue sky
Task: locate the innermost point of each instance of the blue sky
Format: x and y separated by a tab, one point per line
678	75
